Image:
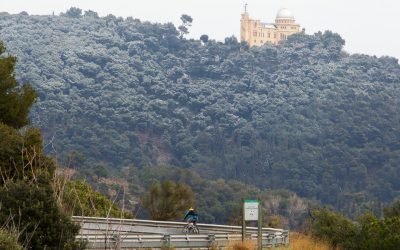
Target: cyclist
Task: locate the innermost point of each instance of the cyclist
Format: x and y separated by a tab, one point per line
191	216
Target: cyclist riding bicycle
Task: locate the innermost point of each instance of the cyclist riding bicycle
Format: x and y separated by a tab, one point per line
191	216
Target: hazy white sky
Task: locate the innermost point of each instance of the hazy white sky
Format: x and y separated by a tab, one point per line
368	26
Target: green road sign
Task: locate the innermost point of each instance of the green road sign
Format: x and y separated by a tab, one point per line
251	210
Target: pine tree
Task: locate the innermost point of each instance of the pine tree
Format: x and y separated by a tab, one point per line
15	101
27	198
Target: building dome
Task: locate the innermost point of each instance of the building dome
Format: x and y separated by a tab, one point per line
284	14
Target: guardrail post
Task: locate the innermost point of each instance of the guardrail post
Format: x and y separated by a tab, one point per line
211	241
105	241
287	238
117	241
167	241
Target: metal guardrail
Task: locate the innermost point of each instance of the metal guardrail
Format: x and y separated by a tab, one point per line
157	241
111	233
134	225
97	242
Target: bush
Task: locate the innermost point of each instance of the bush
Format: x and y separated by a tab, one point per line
334	228
34	211
9	241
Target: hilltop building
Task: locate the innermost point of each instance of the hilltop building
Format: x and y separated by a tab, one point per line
256	33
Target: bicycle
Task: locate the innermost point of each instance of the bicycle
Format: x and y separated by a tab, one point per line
191	228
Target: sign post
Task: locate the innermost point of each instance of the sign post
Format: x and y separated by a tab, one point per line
252	212
243	223
259	238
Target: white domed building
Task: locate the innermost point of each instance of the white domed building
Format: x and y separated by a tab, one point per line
284	14
257	33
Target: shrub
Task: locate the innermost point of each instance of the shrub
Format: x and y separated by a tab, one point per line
9	241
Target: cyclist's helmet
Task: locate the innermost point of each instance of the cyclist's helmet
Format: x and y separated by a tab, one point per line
191	209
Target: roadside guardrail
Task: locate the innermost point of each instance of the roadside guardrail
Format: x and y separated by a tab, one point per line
114	233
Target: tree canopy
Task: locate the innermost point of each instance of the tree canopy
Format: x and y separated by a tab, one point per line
168	200
368	232
15	101
304	115
29	212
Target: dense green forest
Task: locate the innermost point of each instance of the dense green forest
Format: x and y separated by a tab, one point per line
43	222
217	201
30	215
304	116
37	199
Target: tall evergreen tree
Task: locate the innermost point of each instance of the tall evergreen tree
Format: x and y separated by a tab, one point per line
15	101
27	198
168	200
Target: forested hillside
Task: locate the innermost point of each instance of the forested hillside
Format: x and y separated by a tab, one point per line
304	116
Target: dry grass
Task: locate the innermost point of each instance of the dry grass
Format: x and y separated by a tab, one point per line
305	242
246	245
297	242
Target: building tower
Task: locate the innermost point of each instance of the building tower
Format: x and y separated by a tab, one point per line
256	33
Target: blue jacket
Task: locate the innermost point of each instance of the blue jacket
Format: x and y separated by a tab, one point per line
192	215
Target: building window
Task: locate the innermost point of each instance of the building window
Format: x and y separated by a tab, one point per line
261	41
269	35
255	33
255	41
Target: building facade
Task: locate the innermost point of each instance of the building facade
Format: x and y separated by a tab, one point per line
256	33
